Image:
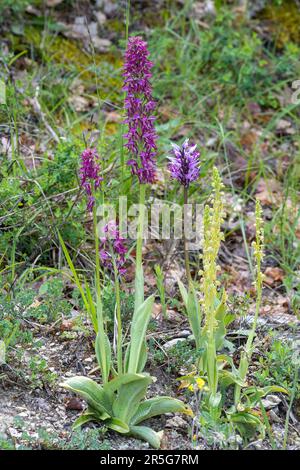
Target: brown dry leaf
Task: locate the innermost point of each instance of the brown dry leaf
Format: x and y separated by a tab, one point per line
156	310
150	278
113	117
269	192
249	139
167	113
273	275
254	108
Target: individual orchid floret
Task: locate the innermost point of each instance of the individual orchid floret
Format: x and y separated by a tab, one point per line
112	248
139	105
89	173
184	164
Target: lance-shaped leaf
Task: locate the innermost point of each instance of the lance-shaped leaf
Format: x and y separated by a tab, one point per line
183	292
91	392
158	406
138	330
194	315
114	384
84	419
147	434
103	354
118	425
129	398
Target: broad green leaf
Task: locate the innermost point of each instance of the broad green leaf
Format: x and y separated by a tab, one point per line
194	315
83	419
147	434
158	406
117	425
215	400
138	330
266	390
114	384
91	392
247	423
245	417
129	398
183	292
142	358
227	378
126	358
103	354
220	316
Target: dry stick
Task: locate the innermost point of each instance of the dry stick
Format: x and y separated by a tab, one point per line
38	111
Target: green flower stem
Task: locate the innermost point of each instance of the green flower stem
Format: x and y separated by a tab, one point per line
247	353
119	319
100	320
139	276
186	251
258	251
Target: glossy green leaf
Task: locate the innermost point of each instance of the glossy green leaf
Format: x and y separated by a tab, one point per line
103	354
194	315
117	425
129	397
83	419
138	330
147	434
156	407
91	392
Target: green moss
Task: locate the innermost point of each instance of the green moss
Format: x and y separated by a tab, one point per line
102	69
284	22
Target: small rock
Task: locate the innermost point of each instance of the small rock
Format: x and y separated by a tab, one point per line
176	422
184	334
74	404
270	401
101	17
100	44
170	344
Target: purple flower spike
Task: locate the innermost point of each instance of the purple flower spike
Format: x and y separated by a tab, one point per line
89	173
113	241
184	165
141	136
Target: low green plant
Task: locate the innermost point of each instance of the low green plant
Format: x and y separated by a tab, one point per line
216	367
276	366
39	372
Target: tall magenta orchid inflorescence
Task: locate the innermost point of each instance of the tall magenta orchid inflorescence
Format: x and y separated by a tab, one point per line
112	248
141	136
184	165
89	173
